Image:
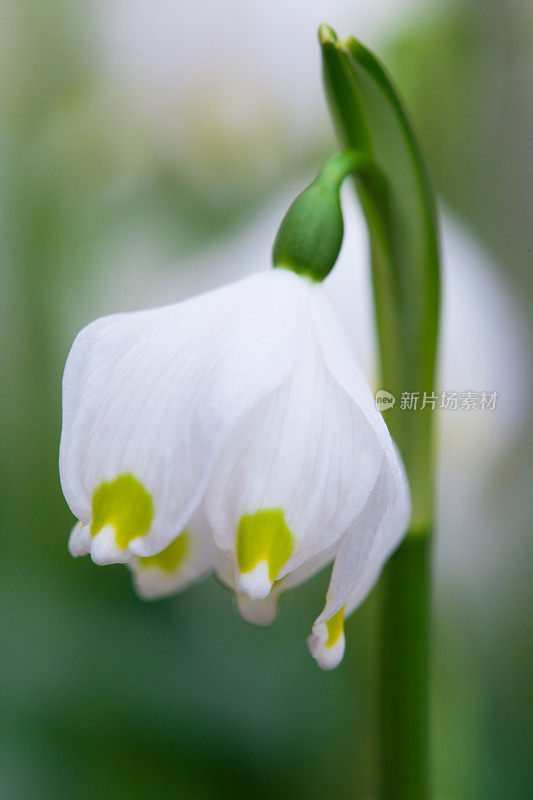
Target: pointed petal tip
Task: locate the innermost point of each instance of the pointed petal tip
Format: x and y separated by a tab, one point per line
327	656
104	549
255	584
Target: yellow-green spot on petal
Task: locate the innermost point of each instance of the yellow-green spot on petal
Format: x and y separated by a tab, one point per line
171	558
125	504
264	536
335	627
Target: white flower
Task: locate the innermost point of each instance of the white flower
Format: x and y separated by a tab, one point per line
244	405
483	346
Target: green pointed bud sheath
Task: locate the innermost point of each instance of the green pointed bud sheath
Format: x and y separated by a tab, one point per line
310	237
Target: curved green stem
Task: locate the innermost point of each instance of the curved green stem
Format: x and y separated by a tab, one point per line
337	168
310	235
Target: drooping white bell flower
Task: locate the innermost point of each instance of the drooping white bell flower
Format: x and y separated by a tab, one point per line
245	400
470	333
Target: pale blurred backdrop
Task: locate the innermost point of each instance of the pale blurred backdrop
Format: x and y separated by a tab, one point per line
148	150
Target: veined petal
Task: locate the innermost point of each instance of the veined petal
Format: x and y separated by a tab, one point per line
381	525
186	559
344	369
294	476
393	529
366	547
308	568
150	398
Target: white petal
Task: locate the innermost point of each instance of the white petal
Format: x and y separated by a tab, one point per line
393	529
224	569
256	583
343	367
308	451
104	549
258	612
156	393
156	577
373	537
79	542
226	572
308	568
263	611
327	657
368	544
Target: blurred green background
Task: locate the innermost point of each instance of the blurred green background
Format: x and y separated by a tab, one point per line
137	133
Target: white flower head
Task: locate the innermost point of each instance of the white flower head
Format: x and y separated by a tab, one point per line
233	430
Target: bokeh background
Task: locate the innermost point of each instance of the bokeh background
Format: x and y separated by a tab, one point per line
143	145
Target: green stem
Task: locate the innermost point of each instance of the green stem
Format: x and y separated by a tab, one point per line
337	168
403	714
397	201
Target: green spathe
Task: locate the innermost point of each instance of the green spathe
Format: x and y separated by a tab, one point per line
264	536
125	504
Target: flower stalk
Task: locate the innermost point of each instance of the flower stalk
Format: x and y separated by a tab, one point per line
310	236
370	118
